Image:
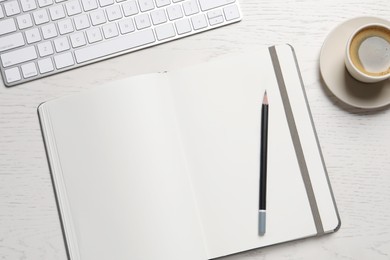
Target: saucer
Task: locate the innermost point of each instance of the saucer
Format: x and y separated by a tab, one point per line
336	76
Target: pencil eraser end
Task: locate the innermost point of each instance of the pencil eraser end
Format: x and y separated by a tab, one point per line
262	221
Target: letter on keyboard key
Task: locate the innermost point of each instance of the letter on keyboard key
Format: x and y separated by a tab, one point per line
142	21
130	8
63	60
24	21
94	35
126	42
89	5
57	12
45	65
7	26
190	7
73	7
11	8
199	21
165	31
21	55
28	5
210	4
41	16
11	41
174	12
146	5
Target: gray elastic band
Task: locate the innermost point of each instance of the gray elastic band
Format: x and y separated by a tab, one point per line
296	141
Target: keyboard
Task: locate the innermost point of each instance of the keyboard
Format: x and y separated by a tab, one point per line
39	38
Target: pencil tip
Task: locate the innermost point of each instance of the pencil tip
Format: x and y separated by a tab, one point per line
265	98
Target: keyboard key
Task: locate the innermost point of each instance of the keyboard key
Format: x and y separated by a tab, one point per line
65	26
43	3
73	7
158	16
32	35
11	41
63	60
78	39
174	12
191	7
12	75
146	5
45	49
49	31
24	21
231	12
98	17
110	31
106	2
57	12
210	4
130	8
89	5
7	26
126	26
114	13
11	8
81	22
142	21
40	16
28	5
45	65
199	22
29	70
126	42
94	35
1	13
183	26
165	31
61	44
215	17
18	56
161	3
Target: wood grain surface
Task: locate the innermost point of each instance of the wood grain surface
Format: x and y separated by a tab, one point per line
355	143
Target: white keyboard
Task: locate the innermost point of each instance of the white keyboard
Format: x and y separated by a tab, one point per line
44	37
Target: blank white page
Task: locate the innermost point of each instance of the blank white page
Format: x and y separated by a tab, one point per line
125	174
218	106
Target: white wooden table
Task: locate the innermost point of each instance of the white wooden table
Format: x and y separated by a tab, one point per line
355	143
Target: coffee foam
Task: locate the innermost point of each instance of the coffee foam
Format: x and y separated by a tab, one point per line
370	51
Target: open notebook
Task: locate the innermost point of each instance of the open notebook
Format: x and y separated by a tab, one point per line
166	165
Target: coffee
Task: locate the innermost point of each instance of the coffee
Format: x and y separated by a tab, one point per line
369	50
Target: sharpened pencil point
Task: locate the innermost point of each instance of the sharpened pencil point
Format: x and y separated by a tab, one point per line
265	98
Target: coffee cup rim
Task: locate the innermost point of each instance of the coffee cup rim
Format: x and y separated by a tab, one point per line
382	77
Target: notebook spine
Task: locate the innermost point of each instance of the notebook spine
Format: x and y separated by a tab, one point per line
58	183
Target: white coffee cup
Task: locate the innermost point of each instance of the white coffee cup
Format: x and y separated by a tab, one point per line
367	56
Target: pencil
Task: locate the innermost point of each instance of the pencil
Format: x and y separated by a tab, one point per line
263	165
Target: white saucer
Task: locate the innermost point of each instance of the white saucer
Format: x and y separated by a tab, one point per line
336	76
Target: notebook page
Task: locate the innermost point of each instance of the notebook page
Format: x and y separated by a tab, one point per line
218	106
125	175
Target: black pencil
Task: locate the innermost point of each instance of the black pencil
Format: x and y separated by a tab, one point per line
263	165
